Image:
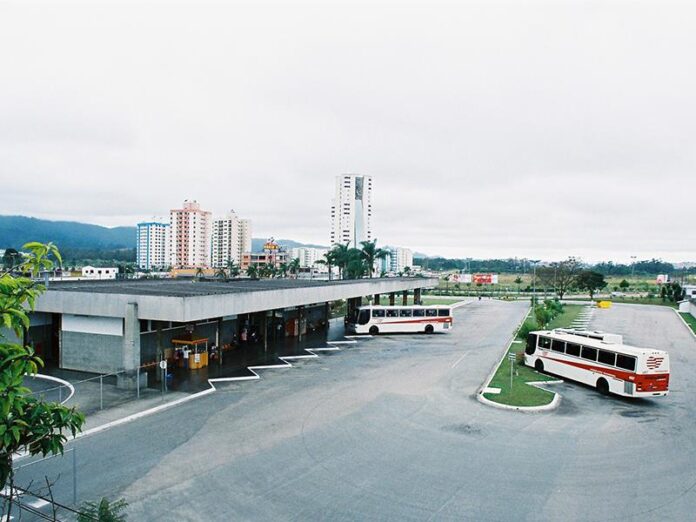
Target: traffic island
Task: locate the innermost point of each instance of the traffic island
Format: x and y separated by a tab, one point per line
516	386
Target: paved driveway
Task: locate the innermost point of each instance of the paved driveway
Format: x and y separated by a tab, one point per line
388	429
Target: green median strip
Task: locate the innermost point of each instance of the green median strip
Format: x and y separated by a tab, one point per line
690	320
521	393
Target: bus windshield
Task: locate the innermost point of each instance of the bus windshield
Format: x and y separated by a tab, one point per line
364	317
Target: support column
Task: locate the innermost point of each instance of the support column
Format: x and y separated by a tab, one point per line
265	331
417	296
218	344
377	299
404	299
392	299
131	349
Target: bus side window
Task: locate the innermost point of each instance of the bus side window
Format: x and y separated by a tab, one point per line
544	342
531	344
392	313
418	312
377	313
431	313
626	362
405	313
606	358
558	346
443	312
589	353
573	349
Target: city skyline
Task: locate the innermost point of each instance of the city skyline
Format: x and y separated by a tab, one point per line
517	148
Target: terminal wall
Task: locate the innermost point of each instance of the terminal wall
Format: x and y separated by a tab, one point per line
91	352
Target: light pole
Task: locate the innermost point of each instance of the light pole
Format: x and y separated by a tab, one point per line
633	266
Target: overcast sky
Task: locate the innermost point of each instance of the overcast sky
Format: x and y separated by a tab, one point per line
523	129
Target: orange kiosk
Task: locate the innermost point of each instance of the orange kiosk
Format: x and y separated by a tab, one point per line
193	353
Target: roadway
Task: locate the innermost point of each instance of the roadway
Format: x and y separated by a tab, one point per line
389	429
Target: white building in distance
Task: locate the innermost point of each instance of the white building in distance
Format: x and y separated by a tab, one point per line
396	262
309	256
152	245
90	272
351	210
231	238
189	236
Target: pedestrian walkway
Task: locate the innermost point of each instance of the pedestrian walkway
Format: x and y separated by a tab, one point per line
582	321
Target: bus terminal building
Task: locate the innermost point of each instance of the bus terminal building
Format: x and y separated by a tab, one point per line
119	325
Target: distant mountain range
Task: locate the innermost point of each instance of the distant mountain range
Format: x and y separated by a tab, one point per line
15	231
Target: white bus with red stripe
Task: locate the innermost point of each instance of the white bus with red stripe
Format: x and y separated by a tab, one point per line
401	319
611	367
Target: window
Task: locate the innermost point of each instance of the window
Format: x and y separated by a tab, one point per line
606	357
573	349
531	344
545	343
418	312
377	313
626	362
392	313
589	353
364	317
558	346
405	313
431	312
443	312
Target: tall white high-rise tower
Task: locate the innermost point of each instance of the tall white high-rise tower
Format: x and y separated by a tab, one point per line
231	238
351	210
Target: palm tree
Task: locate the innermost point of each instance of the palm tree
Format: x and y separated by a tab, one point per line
104	511
340	255
407	270
328	261
354	264
294	266
220	273
370	253
283	269
233	268
252	271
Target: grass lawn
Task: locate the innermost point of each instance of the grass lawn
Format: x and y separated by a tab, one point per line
521	393
690	320
629	300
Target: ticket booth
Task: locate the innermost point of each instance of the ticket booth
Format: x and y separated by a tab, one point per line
191	354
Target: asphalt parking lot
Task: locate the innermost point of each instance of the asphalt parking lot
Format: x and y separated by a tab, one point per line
389	429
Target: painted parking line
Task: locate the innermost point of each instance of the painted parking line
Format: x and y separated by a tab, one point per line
460	359
352	341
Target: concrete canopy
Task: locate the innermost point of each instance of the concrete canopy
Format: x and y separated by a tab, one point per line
187	300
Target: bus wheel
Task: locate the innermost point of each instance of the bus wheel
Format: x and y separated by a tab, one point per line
429	329
539	365
374	330
603	386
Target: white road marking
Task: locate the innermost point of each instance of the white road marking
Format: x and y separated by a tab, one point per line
460	359
38	503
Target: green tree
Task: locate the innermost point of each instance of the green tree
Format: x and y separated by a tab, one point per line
233	268
354	264
283	269
252	271
10	258
340	255
560	276
518	282
294	266
370	254
103	511
542	315
27	423
624	285
590	281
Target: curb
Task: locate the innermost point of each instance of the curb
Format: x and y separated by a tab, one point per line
555	402
684	323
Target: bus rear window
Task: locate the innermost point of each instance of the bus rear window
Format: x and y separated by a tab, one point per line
573	349
589	353
626	362
443	313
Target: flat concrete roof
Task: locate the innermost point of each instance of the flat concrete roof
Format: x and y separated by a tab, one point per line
183	300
